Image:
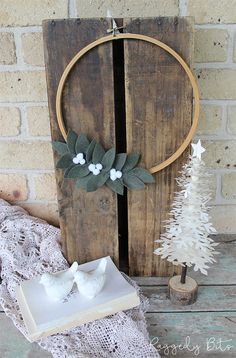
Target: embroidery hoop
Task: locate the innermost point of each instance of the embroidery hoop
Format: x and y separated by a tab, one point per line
160	44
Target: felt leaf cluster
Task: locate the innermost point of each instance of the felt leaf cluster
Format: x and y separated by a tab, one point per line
92	167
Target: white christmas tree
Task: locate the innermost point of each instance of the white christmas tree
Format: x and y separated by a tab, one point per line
186	240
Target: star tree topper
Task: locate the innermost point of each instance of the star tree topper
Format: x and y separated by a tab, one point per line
198	149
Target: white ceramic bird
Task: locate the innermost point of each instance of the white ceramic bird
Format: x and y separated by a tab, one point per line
91	283
59	285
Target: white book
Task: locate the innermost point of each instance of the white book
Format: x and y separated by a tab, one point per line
44	317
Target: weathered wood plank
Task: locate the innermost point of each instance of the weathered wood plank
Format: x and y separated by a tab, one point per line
210	298
88	221
174	329
158	118
14	345
223	272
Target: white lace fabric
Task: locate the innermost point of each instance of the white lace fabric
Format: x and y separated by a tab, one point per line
29	247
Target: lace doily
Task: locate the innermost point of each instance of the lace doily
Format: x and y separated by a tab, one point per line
29	247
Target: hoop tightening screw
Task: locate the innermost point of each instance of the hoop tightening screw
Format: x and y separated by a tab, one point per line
114	29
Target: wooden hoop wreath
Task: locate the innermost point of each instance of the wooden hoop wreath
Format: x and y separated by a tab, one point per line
168	49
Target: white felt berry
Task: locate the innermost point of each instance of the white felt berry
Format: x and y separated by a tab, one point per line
113	177
82	161
76	160
112	171
91	167
118	174
80	156
96	171
99	166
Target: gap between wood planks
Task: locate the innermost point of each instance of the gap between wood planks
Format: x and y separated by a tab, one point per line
120	130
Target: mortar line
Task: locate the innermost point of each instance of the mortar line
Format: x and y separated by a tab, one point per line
183	11
21	29
21	67
31	188
72	9
26	171
26	104
218	197
25	137
30	201
210	26
214	65
230	51
24	125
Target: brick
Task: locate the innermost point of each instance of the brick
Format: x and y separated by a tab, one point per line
26	155
7	49
123	8
212	11
231	123
28	12
13	187
210	45
229	186
9	121
38	121
223	218
22	86
45	187
47	211
210	119
217	83
32	48
220	154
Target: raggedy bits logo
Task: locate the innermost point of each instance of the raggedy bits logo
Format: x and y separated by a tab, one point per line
211	344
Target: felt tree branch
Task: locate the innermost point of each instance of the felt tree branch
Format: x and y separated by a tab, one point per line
186	240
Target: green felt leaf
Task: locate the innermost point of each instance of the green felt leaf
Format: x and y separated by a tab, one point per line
67	171
60	147
90	149
96	181
143	175
82	144
71	141
78	172
116	186
120	161
64	162
81	183
108	158
131	162
132	182
98	153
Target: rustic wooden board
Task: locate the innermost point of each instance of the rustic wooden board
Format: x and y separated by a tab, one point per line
210	298
88	221
166	328
158	118
173	329
223	272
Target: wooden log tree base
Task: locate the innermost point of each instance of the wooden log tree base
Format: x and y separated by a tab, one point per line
81	53
182	294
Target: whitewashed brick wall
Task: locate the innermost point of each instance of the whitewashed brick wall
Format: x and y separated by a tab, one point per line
26	165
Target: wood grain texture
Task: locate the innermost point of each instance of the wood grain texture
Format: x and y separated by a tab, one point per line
210	298
158	117
88	221
223	272
174	329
